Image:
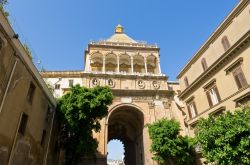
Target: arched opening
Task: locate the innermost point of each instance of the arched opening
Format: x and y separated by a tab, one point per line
126	124
138	62
125	63
110	63
96	62
151	64
115	151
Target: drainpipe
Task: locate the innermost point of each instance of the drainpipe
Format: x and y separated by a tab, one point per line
8	85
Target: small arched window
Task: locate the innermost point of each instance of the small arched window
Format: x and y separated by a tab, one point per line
225	43
186	81
204	64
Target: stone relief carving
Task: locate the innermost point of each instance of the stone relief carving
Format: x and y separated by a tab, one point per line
95	82
141	84
151	104
111	83
156	85
166	104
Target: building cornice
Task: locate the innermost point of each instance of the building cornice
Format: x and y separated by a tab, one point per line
82	74
125	47
134	92
232	51
234	13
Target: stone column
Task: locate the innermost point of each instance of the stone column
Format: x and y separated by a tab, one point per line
118	63
132	64
159	66
90	60
145	63
103	64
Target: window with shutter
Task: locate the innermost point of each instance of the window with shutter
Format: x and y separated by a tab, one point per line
225	43
213	95
192	111
239	77
71	83
57	86
204	64
186	81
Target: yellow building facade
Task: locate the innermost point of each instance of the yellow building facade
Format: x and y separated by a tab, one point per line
217	77
26	105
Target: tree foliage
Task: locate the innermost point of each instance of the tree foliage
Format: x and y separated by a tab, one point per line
225	140
168	146
80	111
2	4
27	49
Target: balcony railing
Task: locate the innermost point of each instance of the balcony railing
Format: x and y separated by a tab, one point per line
125	73
141	44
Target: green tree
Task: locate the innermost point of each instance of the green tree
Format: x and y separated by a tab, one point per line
2	4
225	140
168	146
27	49
80	111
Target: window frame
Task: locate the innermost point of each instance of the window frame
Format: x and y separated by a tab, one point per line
204	64
211	99
186	81
225	43
23	123
57	86
71	82
241	82
191	107
31	92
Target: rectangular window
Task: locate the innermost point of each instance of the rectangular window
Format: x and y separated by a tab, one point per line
23	124
31	92
71	83
192	111
239	77
43	137
213	95
57	86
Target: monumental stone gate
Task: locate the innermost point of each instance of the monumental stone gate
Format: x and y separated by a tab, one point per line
142	93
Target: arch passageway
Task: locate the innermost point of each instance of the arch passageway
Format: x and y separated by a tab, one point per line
126	124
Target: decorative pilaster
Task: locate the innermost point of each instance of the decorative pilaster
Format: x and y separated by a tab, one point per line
103	64
132	64
90	61
118	63
145	62
159	66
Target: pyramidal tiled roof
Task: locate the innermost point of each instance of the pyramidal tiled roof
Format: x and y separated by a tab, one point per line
120	36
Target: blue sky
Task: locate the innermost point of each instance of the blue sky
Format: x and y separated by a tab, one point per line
58	31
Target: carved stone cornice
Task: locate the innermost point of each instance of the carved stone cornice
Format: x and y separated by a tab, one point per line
142	93
82	74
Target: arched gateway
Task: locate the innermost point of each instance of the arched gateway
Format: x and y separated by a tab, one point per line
142	94
126	123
